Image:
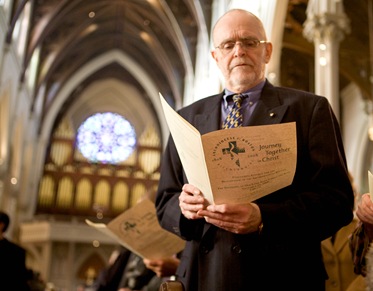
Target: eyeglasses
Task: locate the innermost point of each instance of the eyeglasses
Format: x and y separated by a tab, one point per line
246	44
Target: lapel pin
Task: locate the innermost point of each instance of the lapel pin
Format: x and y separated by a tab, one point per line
271	114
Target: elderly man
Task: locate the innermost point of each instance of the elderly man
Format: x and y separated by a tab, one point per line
272	243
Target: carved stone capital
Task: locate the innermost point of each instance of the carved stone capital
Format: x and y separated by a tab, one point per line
327	25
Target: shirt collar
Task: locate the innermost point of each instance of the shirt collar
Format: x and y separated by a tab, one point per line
252	92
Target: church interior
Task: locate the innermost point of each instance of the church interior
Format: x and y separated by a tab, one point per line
67	66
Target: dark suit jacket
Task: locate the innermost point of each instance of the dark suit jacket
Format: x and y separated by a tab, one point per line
286	255
13	272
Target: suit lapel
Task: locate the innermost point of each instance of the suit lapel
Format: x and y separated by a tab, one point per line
269	109
209	121
328	246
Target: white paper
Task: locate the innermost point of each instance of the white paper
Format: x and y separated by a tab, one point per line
188	143
370	181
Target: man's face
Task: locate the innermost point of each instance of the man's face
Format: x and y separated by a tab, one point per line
243	66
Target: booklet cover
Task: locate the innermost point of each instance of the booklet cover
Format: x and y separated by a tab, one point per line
138	230
237	165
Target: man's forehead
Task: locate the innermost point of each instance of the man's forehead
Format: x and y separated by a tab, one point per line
232	27
234	34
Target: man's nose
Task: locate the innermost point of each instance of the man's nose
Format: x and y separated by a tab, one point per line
239	49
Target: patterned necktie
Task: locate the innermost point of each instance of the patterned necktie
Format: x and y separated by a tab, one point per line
234	118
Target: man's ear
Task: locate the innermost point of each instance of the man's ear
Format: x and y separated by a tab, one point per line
213	54
269	48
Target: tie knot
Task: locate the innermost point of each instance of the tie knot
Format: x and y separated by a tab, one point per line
234	117
237	98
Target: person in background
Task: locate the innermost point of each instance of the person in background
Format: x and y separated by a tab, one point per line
35	281
129	272
338	258
146	274
110	276
135	276
361	240
13	271
273	243
163	267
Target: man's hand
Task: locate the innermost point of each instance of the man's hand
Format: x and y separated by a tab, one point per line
236	218
163	267
191	201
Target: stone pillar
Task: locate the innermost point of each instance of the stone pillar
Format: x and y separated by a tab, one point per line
326	26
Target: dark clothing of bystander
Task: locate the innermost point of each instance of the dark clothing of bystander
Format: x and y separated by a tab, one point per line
13	271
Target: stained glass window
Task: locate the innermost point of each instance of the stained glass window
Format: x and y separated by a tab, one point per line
106	138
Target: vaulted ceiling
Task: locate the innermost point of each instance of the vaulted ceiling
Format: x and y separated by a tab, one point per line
160	36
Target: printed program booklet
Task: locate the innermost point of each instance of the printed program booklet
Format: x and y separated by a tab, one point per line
237	165
138	230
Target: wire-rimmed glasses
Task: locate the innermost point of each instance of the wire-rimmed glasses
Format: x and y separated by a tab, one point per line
246	43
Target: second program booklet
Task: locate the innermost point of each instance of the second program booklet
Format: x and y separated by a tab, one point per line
138	230
237	165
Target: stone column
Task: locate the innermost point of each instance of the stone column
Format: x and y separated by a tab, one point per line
326	26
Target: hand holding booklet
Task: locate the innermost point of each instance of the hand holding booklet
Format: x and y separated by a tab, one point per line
237	165
138	230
